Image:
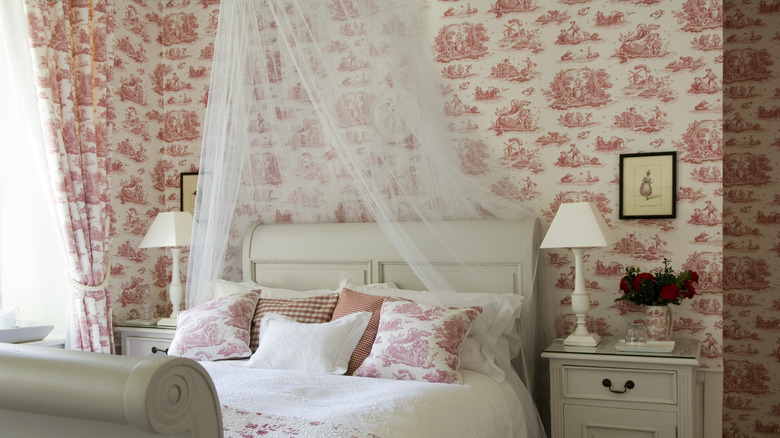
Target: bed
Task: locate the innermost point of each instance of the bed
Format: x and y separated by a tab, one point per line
256	396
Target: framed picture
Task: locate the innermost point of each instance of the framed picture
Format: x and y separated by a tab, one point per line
648	185
188	186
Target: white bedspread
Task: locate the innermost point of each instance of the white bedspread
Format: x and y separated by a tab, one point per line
357	406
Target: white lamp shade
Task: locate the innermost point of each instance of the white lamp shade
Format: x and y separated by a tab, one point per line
169	229
578	225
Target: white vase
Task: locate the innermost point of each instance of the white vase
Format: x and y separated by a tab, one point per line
658	323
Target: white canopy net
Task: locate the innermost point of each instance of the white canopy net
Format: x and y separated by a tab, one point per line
323	111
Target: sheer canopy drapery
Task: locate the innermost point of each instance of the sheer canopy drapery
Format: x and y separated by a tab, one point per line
324	111
72	63
308	122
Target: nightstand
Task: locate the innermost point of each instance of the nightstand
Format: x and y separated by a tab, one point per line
144	341
49	341
600	392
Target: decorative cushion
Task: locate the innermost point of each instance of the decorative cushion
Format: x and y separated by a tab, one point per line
307	310
418	342
493	340
351	302
323	348
217	329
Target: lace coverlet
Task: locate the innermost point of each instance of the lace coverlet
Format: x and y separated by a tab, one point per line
280	403
239	423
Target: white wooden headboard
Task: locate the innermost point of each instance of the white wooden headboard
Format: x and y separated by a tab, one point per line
313	256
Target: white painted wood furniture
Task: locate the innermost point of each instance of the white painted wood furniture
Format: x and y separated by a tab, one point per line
48	392
51	342
144	341
600	392
165	396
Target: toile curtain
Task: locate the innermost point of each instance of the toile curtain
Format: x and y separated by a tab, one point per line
72	63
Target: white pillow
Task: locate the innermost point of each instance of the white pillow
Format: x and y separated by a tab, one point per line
476	356
493	335
359	286
224	288
321	348
276	293
500	311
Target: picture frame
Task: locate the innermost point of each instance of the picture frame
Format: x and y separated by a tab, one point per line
648	185
188	189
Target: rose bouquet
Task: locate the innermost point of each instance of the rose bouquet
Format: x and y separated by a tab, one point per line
661	288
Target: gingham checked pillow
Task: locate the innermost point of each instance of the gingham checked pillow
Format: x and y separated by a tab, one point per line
351	302
306	310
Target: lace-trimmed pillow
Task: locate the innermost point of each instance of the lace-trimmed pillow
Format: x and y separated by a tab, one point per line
319	348
309	310
217	329
418	342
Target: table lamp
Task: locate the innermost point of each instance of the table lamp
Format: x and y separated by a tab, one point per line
171	229
579	225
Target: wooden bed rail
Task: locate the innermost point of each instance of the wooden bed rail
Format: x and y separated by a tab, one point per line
47	392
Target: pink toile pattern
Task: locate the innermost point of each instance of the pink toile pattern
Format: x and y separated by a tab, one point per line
418	342
217	329
72	60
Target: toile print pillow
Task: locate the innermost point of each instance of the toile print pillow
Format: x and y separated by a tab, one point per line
217	329
418	342
494	337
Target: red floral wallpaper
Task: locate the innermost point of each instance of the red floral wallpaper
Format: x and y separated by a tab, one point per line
541	98
751	328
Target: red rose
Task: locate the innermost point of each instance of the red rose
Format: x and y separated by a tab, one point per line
624	287
642	277
670	292
688	286
694	276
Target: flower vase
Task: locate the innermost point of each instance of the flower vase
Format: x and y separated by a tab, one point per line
658	323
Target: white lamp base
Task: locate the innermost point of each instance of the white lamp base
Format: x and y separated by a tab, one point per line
167	322
588	340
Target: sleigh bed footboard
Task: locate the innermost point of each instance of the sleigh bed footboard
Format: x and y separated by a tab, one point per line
49	392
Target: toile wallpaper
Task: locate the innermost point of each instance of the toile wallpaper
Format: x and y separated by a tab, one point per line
541	99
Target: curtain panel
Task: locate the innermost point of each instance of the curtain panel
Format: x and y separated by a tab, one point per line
72	63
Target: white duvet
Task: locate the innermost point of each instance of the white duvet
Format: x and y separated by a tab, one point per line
358	406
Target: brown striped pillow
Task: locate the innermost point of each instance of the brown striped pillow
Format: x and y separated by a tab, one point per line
351	302
310	310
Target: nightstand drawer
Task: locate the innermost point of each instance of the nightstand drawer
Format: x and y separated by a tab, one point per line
139	341
597	383
142	347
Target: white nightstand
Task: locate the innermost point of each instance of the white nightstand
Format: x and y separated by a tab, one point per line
144	341
599	392
49	341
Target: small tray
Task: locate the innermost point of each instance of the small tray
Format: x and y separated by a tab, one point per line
646	347
25	334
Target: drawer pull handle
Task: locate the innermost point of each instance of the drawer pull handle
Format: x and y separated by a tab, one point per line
156	350
626	386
